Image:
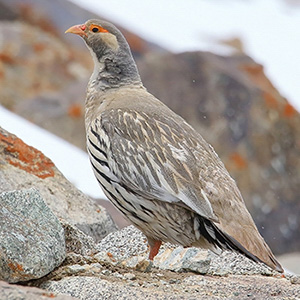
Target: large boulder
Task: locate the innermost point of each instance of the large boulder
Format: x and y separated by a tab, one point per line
32	238
23	167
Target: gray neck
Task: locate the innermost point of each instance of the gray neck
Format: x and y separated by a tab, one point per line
113	69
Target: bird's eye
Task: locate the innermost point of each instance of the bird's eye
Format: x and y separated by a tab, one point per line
97	28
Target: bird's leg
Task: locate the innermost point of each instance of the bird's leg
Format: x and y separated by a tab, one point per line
154	247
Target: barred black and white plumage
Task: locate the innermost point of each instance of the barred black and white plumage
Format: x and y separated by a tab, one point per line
153	166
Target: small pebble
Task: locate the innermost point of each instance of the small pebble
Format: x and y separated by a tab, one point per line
294	279
75	269
117	275
106	272
144	265
129	276
96	265
134	284
173	281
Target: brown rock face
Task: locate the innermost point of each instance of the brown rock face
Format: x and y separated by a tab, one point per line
253	129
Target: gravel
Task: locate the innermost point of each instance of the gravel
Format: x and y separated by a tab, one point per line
126	244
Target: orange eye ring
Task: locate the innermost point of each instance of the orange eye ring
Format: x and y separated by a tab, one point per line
97	28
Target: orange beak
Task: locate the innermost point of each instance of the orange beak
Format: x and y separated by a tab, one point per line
77	29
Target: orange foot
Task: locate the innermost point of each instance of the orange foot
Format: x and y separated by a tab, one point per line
154	248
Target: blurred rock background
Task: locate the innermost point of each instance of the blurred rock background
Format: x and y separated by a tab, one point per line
229	100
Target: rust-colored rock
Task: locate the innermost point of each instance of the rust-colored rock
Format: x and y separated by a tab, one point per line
25	157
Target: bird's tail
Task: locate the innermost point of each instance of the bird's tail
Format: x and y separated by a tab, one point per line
223	241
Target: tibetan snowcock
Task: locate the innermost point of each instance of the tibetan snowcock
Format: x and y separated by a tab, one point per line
153	166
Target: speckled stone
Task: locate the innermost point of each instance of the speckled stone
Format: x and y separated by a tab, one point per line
32	238
18	292
92	288
77	241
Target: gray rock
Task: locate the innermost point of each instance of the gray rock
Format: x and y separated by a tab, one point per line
66	202
295	279
180	260
234	263
129	276
75	269
98	230
32	238
124	243
77	241
18	292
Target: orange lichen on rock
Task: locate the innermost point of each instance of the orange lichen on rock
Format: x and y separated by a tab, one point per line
7	58
15	267
75	110
257	75
111	256
25	157
289	110
49	295
238	160
29	14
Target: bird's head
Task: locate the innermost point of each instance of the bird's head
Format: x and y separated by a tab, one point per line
100	36
114	64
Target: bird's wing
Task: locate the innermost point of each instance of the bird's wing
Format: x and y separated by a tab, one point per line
159	157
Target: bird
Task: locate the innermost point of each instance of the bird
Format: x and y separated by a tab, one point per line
153	166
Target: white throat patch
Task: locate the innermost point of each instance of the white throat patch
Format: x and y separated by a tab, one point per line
97	65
